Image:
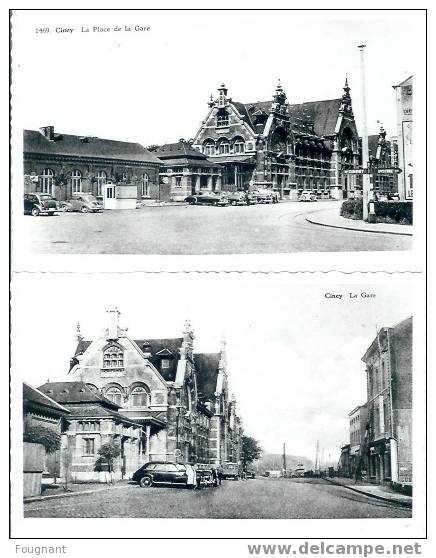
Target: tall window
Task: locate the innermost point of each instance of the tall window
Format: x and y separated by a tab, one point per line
115	395
224	147
76	181
139	397
113	357
88	446
209	148
101	180
145	185
46	181
165	363
239	146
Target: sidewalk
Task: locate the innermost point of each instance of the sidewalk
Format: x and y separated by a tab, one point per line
331	218
75	490
378	491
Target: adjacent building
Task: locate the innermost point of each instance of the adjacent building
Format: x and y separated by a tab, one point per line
40	412
358	422
404	103
63	164
388	448
186	171
93	420
282	146
383	162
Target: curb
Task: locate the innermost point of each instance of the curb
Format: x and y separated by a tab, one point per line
313	222
69	494
369	494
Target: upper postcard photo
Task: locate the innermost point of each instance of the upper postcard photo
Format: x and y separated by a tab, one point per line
215	132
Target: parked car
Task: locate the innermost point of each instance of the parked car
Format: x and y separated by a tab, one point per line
207	198
205	477
250	474
237	198
37	204
307	196
165	472
231	471
82	202
264	195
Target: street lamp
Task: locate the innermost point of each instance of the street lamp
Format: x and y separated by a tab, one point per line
366	185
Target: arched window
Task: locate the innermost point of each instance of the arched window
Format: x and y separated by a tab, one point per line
209	148
139	397
46	181
76	181
113	357
238	145
145	185
101	180
222	119
115	395
224	147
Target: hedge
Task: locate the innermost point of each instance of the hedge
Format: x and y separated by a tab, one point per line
400	212
352	209
394	212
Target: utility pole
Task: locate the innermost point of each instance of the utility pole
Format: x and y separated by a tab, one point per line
284	459
366	185
317	457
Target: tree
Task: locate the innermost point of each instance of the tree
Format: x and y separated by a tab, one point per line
251	450
109	452
47	437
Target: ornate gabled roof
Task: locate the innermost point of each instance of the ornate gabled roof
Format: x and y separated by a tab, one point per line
35	142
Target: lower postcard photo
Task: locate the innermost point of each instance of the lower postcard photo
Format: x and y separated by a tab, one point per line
182	397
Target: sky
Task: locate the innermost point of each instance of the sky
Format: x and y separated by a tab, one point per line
294	355
153	86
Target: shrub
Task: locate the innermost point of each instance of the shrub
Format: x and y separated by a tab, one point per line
352	209
394	212
47	437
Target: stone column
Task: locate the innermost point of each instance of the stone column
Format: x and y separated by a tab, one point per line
209	183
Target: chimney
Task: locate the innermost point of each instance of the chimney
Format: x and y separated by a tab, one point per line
47	132
114	316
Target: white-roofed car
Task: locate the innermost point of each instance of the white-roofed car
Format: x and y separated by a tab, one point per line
307	196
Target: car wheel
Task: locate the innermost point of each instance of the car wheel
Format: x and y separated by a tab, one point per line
51	213
84	209
64	208
35	211
146	482
192	202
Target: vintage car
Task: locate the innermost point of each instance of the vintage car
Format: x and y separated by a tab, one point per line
231	471
207	198
81	202
165	473
37	204
250	474
307	196
263	195
238	198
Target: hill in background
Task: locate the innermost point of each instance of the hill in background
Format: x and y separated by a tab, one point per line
271	461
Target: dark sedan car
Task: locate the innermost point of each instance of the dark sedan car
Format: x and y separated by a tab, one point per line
161	472
37	204
207	198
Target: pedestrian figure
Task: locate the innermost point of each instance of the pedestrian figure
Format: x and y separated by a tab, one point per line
247	198
220	476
